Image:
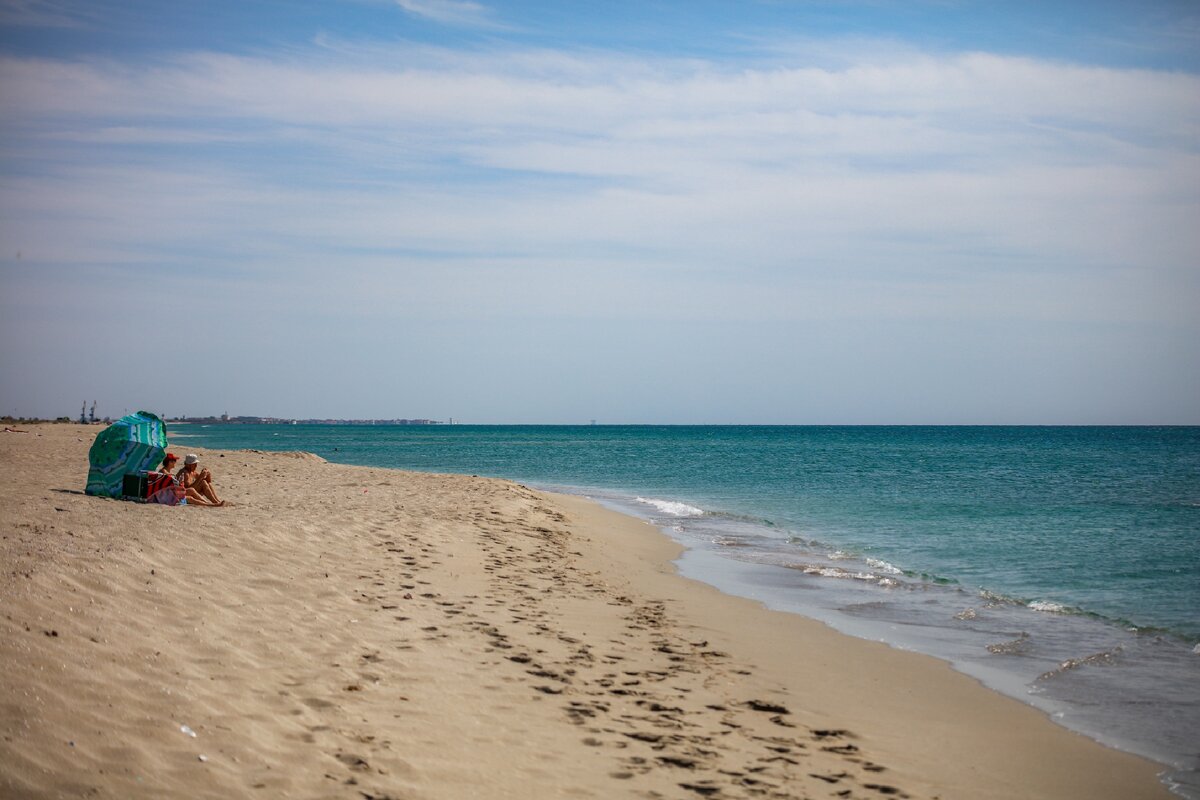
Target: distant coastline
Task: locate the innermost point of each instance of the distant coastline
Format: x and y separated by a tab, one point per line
227	420
224	420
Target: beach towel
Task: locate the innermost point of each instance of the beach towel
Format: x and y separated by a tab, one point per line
162	488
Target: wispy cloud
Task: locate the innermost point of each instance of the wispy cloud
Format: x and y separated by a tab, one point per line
447	188
450	12
40	14
999	160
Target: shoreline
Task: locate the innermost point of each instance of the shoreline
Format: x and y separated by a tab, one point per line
779	587
927	679
342	631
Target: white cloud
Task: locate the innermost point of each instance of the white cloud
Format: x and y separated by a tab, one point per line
994	153
433	187
452	12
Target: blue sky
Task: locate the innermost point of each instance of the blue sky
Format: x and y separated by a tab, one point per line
754	212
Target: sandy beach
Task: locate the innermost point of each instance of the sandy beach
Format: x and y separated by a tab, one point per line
351	632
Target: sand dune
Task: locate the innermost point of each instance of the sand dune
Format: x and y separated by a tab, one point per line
349	632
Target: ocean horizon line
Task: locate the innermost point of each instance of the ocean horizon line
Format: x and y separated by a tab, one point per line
438	423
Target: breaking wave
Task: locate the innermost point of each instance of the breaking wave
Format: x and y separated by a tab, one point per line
672	507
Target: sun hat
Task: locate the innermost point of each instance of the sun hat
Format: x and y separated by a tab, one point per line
191	458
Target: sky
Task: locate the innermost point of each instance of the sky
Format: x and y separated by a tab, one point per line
771	212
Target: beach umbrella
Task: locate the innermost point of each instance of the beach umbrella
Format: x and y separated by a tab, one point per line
131	445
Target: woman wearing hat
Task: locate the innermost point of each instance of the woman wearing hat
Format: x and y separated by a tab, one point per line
197	480
166	489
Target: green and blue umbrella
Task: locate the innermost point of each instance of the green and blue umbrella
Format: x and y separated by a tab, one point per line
131	445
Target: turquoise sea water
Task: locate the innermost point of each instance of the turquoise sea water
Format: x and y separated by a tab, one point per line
1057	564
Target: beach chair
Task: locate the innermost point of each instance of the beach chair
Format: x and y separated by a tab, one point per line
134	487
140	487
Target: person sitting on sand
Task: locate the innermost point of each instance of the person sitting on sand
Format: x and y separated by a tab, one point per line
165	488
192	478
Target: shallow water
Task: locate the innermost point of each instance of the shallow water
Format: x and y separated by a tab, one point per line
1059	565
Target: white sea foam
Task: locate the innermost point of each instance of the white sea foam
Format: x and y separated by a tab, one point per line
883	566
1103	659
675	509
835	572
993	600
1046	605
1010	648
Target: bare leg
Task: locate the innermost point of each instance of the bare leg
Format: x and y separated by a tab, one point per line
204	486
194	498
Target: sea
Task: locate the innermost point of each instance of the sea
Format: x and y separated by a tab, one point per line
1057	565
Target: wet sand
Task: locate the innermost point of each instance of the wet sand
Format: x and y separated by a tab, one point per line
349	632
